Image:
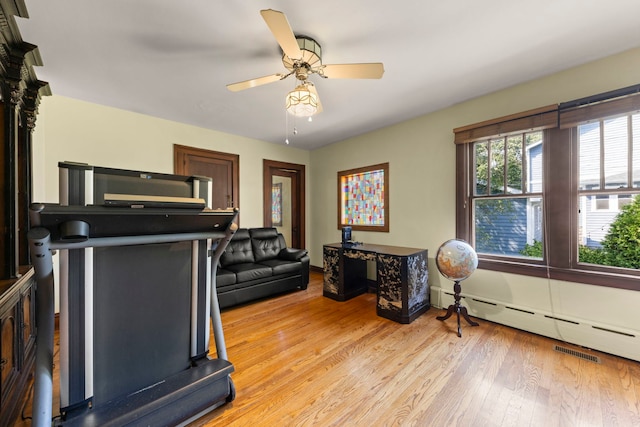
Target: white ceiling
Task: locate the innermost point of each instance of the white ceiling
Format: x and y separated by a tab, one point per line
172	59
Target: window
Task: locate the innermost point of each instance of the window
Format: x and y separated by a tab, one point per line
608	181
507	197
552	192
363	198
276	204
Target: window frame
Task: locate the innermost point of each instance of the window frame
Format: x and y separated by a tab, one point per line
342	175
509	192
560	195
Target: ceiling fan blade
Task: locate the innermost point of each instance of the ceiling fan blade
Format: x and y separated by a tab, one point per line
373	70
279	26
235	87
313	90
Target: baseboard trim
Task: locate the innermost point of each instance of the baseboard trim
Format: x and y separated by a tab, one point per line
316	269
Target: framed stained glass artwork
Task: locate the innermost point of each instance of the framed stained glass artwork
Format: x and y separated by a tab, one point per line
363	198
276	204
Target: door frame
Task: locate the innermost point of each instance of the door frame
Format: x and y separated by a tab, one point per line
297	173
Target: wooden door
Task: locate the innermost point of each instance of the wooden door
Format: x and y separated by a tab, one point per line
221	167
291	178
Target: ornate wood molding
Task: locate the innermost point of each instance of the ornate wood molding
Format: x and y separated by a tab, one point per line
20	92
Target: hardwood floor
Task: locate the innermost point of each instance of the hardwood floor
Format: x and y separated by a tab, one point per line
302	359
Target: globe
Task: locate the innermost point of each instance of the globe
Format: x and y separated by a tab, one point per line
456	259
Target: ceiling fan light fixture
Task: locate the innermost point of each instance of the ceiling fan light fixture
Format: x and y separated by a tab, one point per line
301	102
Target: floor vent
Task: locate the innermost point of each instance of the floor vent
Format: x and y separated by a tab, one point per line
576	353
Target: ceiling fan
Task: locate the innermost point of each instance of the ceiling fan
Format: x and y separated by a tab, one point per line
301	57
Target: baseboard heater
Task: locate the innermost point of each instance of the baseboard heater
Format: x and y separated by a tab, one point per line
606	338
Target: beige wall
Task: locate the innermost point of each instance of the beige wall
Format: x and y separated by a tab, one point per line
72	130
421	157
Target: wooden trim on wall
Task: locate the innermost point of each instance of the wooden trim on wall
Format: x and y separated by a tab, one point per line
536	119
572	117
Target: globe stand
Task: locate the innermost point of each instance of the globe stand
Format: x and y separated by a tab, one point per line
459	309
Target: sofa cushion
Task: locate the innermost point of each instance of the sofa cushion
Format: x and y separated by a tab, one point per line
225	278
250	271
281	266
263	233
238	250
266	244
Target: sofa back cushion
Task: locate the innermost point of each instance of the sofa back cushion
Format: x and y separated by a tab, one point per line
238	250
267	243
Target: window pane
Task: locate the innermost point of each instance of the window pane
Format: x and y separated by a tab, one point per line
514	164
482	168
601	203
624	199
616	150
609	237
635	125
497	166
589	147
510	227
534	162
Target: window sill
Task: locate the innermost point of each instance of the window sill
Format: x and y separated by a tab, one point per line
579	275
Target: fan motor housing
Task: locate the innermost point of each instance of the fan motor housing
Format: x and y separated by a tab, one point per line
311	55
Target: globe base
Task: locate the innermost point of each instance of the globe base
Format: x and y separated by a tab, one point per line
458	309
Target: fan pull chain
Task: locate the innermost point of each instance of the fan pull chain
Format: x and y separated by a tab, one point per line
286	127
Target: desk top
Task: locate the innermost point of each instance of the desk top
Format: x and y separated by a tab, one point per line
380	249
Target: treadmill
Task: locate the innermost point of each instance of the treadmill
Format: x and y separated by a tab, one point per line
136	289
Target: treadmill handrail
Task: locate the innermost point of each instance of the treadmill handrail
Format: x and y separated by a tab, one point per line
101	242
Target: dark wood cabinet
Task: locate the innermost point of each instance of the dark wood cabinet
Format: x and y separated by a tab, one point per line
27	317
8	347
17	307
20	94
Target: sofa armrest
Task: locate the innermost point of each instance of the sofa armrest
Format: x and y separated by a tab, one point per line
291	254
305	261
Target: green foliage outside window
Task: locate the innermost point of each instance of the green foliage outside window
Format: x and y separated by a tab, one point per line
585	253
622	242
620	246
534	251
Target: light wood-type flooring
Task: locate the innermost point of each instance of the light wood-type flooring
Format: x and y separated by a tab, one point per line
304	360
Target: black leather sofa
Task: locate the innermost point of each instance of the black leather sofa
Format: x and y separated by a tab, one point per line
257	264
